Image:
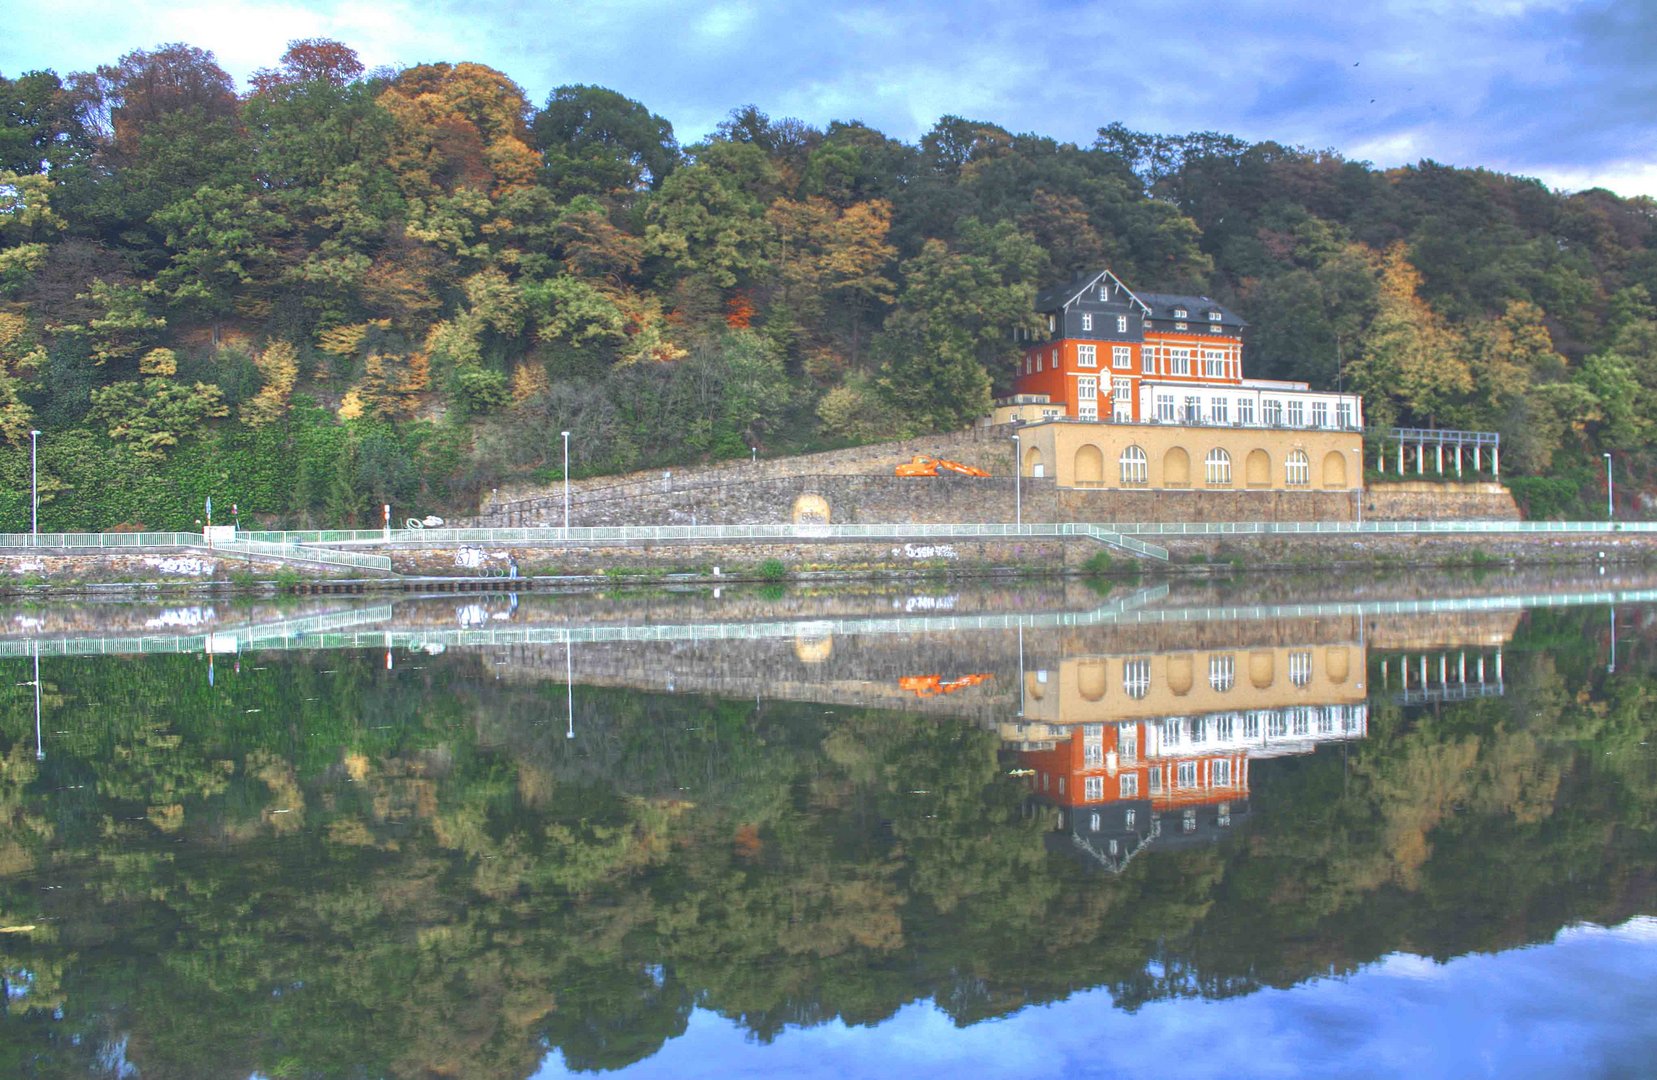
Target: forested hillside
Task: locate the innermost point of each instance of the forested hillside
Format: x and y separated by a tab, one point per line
340	288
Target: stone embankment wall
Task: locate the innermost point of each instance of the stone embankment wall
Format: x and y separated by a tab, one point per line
858	486
1427	500
18	567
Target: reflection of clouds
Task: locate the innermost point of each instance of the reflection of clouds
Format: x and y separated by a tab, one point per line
1584	1004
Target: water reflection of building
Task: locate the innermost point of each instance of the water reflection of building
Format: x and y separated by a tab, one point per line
1141	748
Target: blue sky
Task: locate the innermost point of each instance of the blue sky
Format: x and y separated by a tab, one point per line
1563	91
1584	1004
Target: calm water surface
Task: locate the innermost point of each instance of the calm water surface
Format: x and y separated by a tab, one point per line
1274	829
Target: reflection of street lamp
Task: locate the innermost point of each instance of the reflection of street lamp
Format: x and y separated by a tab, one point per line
34	489
569	686
1018	480
1610	488
566	483
40	747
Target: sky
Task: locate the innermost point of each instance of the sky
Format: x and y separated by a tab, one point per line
1562	91
1584	1004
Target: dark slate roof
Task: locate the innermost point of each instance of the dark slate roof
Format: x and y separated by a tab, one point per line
1162	306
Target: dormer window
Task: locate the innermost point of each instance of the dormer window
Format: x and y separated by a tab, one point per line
1213	316
1121	324
1180	313
1104	293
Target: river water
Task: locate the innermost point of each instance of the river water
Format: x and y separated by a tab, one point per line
1276	827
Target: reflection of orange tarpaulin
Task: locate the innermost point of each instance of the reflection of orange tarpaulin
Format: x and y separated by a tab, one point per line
921	465
933	685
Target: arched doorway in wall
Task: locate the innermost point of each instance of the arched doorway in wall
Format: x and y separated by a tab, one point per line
1334	469
1176	468
1262	669
1033	465
1179	674
1257	470
1337	664
1091	677
1090	466
810	509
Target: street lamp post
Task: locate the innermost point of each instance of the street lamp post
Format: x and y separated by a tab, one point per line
1610	490
566	436
34	488
1018	481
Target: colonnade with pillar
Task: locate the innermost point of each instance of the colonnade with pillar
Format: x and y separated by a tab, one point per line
1414	446
1448	675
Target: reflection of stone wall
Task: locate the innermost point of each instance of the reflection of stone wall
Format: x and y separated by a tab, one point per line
738	559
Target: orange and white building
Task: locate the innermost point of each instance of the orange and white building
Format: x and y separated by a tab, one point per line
1157	382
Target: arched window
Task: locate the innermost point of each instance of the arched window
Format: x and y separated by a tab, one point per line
1297	470
1136	467
1217	468
1222	672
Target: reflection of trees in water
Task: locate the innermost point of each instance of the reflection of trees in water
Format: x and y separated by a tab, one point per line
455	885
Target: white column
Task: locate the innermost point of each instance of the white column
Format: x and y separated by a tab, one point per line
1476	465
1420	458
1384	681
1481	669
1461	668
1439	451
1498	667
1496	461
1423	671
1400	457
1458	461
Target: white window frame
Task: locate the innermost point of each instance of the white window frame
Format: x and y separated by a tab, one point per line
1179	361
1135	466
1121	324
1127	786
1185	775
1217	468
1147	359
1087	388
1300	669
1093	788
1220	409
1343	414
1221	773
1121	357
1297	469
1271	412
1213	364
1320	414
1165	408
1245	410
1181	313
1087	356
1297	413
1136	677
1087	320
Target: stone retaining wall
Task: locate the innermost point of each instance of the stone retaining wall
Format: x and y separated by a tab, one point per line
859	486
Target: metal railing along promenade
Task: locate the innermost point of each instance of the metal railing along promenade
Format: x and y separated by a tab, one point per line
352	629
1373	528
244	544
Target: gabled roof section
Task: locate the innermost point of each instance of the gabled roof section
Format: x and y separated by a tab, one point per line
1062	296
1196	308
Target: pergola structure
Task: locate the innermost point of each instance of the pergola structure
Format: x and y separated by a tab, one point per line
1417	441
